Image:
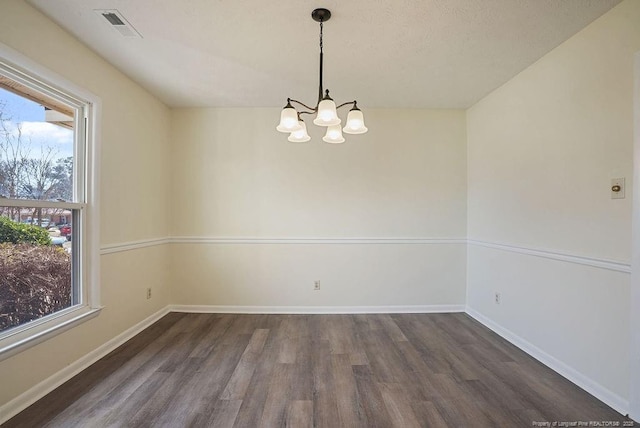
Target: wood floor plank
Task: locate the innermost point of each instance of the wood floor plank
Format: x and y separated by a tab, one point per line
418	371
398	406
374	411
123	410
237	385
288	350
216	328
302	388
358	358
299	414
212	376
462	412
325	407
428	415
340	333
232	370
387	365
391	327
253	404
345	391
165	399
496	393
275	406
223	415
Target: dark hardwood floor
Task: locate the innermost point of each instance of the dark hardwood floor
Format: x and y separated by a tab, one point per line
220	370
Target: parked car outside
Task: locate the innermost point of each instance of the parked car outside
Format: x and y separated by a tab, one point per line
58	240
44	222
65	230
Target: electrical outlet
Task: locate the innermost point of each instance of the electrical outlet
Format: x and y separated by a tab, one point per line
497	298
316	285
149	293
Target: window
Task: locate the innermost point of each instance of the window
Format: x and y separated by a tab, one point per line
47	259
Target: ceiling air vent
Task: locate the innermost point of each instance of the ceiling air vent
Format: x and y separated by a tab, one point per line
117	21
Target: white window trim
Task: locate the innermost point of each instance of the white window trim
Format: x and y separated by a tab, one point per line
40	330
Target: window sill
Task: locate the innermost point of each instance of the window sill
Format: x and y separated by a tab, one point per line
25	338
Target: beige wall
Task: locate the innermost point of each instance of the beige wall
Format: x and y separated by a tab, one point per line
542	150
356	276
133	197
235	176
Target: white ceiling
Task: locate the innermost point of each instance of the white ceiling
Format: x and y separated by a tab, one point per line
384	53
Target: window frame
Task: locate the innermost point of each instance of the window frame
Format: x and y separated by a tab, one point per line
87	233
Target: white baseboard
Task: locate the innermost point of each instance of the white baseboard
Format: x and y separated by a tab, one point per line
592	387
408	309
27	398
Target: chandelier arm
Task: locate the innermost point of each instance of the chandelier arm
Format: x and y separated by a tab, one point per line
306	112
314	109
346	104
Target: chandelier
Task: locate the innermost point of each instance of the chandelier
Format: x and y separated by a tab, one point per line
325	109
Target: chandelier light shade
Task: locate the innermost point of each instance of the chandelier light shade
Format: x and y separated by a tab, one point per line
325	110
300	136
288	119
355	121
327	114
334	135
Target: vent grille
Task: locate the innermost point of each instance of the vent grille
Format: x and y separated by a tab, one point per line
117	21
113	18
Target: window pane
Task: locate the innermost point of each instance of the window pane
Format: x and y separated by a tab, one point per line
35	263
36	144
46	164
